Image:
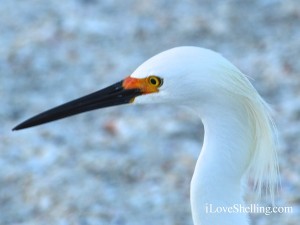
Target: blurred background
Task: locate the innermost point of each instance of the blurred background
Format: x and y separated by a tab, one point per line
130	165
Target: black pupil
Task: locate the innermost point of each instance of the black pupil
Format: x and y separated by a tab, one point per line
153	81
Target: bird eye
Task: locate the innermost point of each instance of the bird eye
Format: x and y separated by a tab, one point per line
155	81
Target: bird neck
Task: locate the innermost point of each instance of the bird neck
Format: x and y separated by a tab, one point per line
221	165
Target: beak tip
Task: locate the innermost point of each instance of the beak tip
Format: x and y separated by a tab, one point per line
16	128
21	126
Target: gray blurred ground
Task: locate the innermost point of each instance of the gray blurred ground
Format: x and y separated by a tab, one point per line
130	165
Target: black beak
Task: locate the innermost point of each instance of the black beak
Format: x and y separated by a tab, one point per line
110	96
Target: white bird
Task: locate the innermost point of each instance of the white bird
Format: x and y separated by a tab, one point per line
239	133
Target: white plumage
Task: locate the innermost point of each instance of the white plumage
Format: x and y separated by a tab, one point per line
239	133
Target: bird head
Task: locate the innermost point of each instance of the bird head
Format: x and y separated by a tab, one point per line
181	76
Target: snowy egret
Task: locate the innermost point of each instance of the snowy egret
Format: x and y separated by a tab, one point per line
239	133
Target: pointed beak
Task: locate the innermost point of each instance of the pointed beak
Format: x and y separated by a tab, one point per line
120	93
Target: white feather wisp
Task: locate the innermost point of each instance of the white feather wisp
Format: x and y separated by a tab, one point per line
263	166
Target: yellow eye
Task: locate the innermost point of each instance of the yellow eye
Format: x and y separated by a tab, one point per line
155	81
